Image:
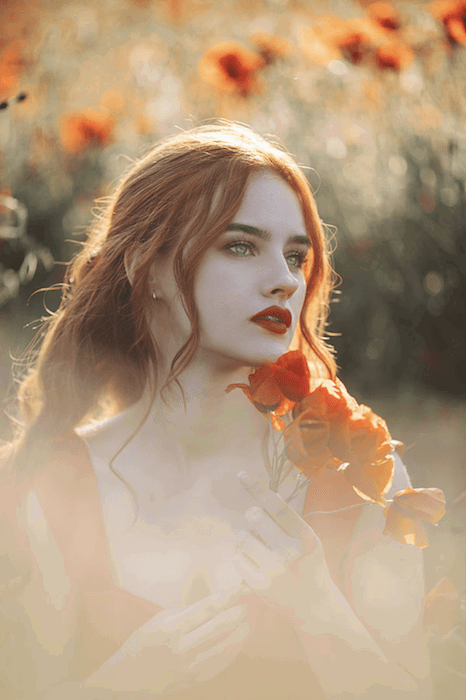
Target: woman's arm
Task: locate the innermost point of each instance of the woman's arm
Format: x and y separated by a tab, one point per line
39	613
173	651
345	658
178	648
349	662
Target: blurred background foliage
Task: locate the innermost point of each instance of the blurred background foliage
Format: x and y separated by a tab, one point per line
369	97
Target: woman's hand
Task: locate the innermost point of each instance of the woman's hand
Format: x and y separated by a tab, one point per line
280	556
178	648
282	560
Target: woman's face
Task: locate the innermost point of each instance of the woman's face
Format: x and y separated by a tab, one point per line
254	265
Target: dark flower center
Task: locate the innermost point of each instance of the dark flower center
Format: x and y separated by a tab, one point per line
232	66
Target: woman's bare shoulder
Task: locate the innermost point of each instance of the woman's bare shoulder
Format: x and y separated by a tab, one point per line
100	430
105	437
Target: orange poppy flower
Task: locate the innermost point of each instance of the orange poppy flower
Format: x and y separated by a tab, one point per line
357	38
371	480
307	447
453	16
366	446
443	605
333	36
277	386
231	67
409	508
384	14
394	55
370	438
330	428
86	128
329	401
270	47
354	47
457	29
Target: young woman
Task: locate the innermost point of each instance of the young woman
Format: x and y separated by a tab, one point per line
142	564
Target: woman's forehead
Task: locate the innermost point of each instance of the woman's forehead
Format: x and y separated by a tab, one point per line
270	197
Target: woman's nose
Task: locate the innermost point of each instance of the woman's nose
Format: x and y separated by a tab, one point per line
286	290
280	282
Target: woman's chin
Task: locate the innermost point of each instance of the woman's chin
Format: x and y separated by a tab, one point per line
270	354
227	358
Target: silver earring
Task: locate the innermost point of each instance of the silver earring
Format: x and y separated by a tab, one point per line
154	295
151	279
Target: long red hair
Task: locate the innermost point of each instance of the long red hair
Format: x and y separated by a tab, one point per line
96	351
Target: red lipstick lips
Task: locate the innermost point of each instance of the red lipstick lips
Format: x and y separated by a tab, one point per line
274	319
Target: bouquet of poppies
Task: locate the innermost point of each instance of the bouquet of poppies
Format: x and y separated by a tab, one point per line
329	430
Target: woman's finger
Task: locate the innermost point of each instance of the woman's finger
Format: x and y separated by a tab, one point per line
259	554
224	622
255	576
238	636
187	619
262	525
279	510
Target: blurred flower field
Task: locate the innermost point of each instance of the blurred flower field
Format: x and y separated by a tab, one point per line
370	97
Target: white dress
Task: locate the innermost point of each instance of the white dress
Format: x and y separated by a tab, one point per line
383	580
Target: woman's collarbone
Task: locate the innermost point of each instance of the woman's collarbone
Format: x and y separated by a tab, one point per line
197	491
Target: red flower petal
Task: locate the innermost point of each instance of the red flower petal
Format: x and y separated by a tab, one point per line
372	480
427	504
407	511
404	530
457	29
292	375
229	66
329	401
356	435
89	127
453	16
394	55
384	14
277	386
306	442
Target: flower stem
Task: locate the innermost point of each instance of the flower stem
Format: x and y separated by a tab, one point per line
340	510
298	488
273	480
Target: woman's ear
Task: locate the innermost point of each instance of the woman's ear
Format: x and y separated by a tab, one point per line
130	264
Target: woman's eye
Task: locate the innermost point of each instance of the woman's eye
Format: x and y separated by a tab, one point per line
240	244
242	247
299	259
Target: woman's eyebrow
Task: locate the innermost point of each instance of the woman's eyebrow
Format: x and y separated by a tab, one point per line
266	235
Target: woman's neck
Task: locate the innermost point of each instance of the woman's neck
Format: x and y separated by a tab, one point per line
214	422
